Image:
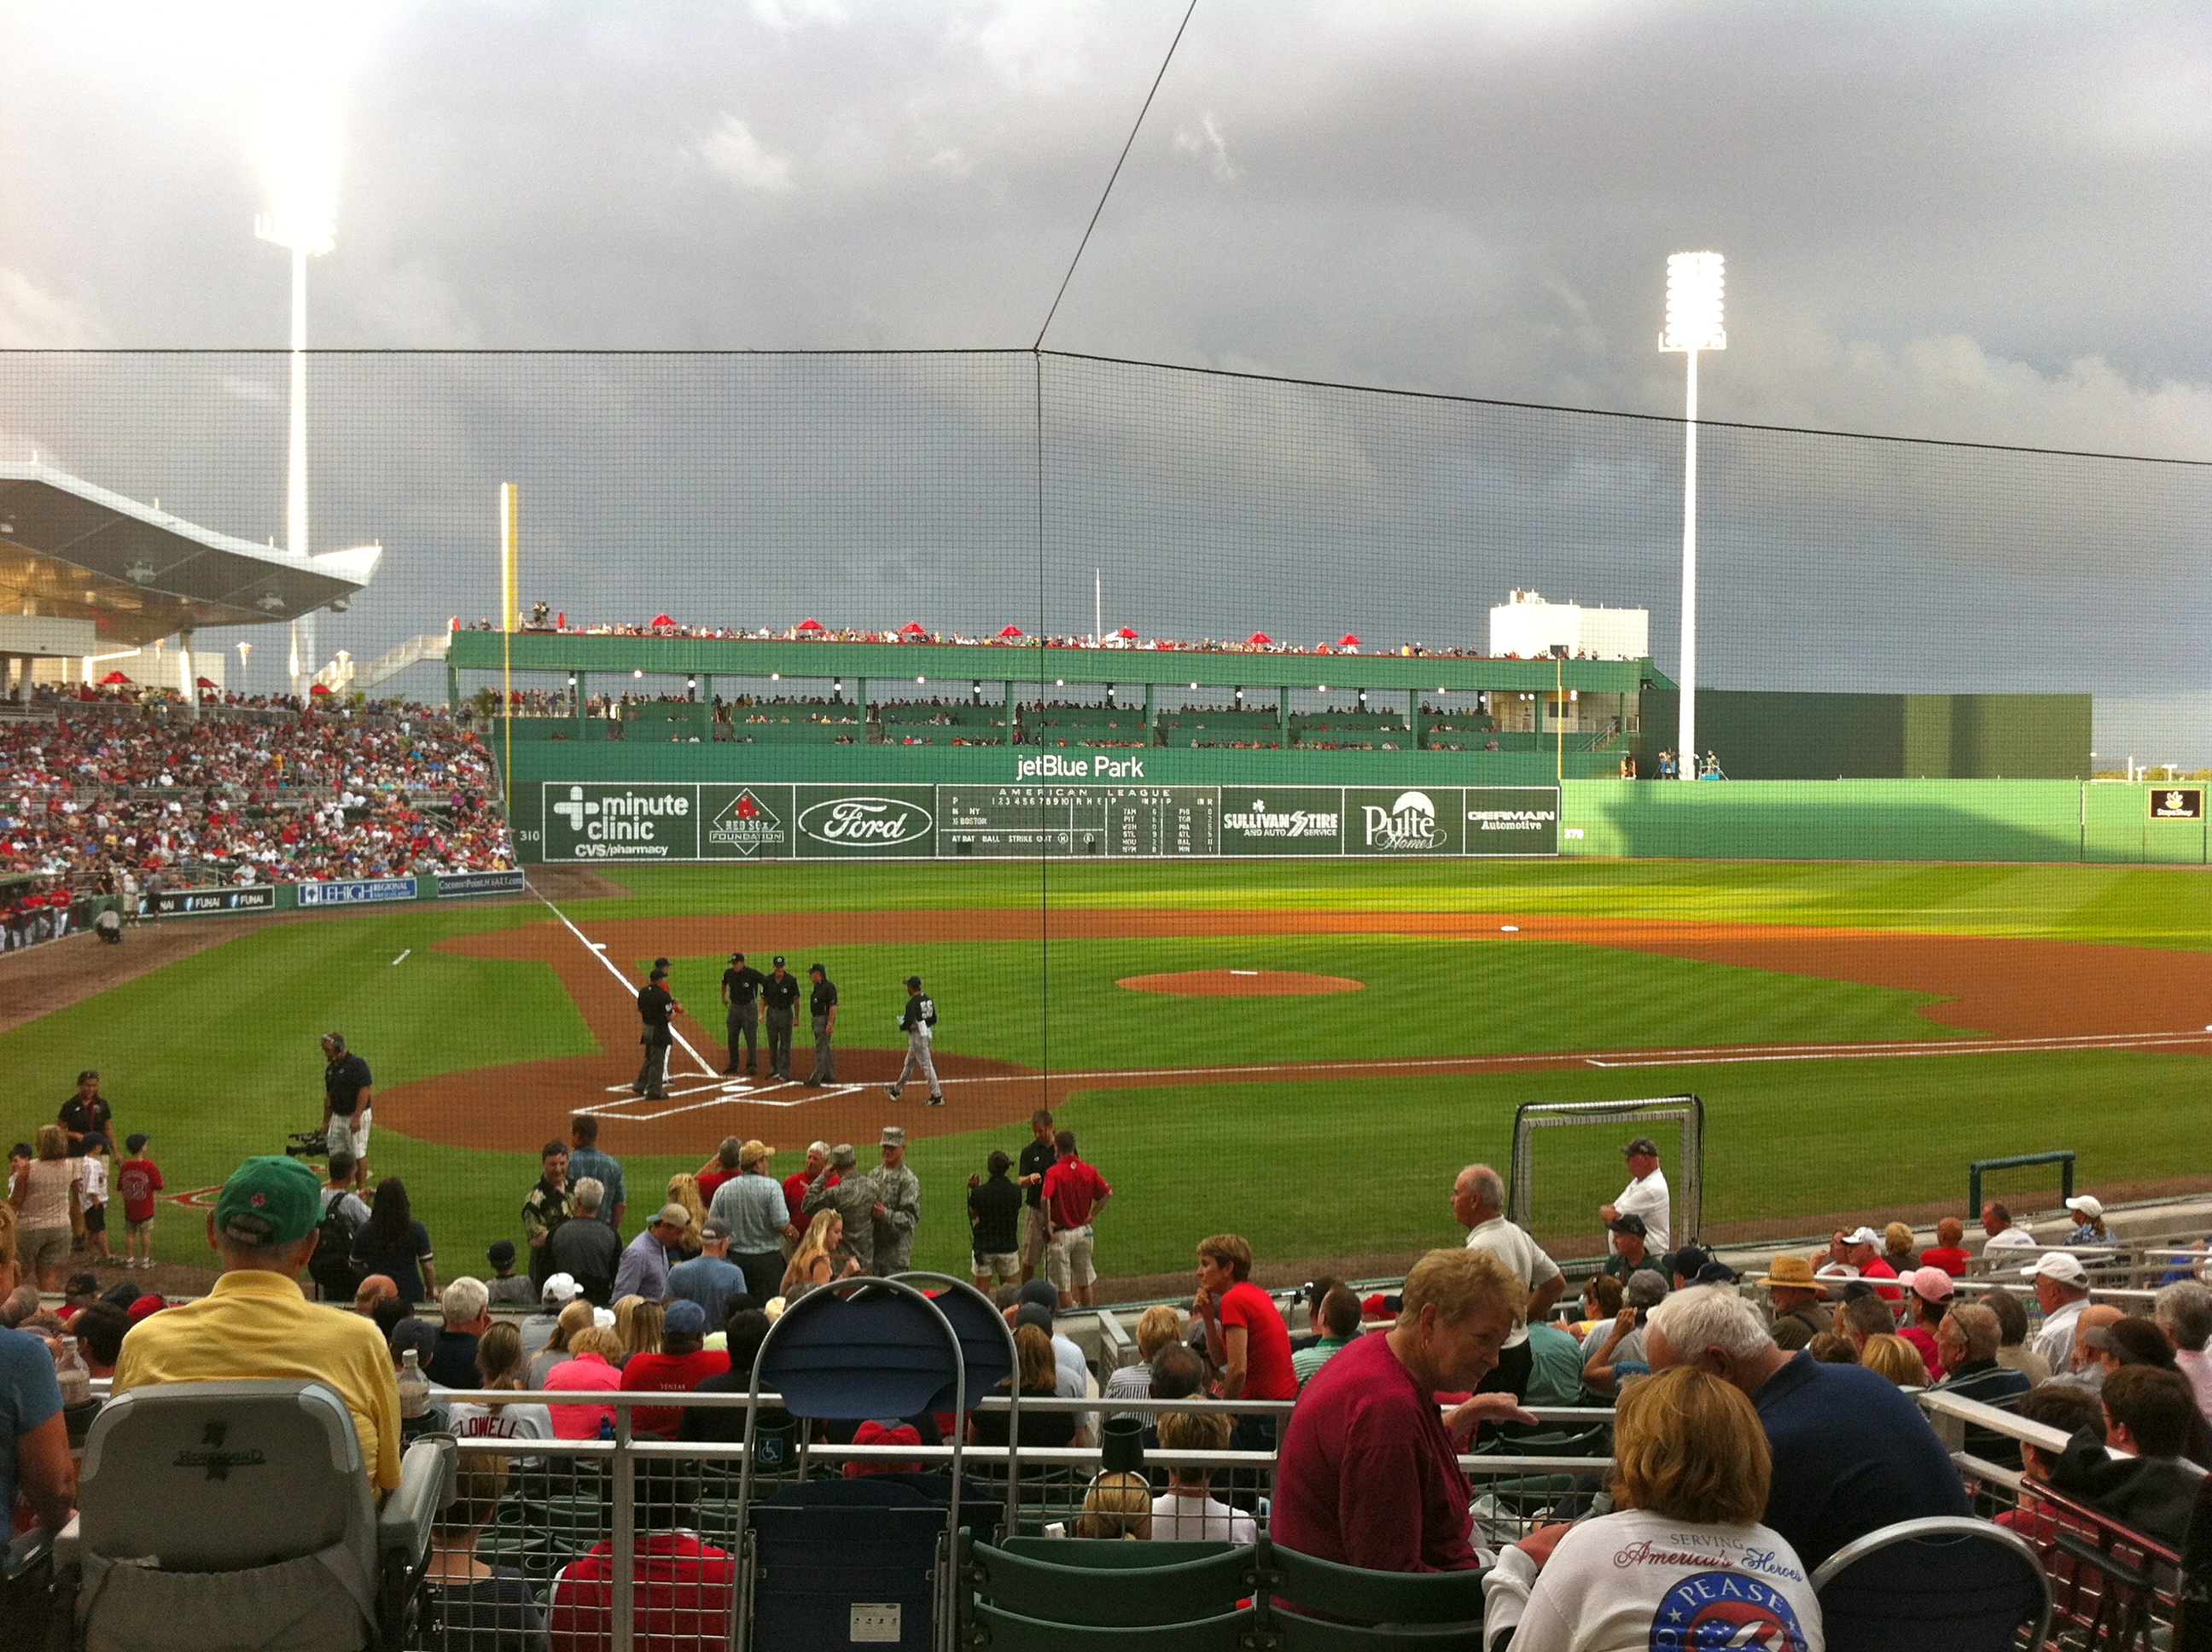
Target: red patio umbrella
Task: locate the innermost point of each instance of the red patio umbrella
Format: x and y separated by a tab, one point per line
112	679
1260	638
1126	634
912	628
204	683
810	625
1010	630
1347	641
662	619
319	688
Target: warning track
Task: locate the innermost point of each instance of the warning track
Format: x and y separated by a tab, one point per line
1995	996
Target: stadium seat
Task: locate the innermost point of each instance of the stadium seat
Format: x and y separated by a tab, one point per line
1449	1601
1109	1583
1963	1585
253	1505
1007	1631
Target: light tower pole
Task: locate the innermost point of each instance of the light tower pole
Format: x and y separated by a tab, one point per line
307	234
1693	323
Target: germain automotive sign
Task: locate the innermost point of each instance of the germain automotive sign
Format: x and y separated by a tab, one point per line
356	892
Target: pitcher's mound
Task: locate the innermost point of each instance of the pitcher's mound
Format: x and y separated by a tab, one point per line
1240	983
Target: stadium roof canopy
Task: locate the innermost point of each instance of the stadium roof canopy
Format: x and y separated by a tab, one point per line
71	550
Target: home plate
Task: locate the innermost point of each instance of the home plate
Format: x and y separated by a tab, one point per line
1515	929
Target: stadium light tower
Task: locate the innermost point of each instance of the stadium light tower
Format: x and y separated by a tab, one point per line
1693	323
308	227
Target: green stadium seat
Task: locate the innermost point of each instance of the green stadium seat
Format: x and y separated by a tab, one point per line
1351	1593
1108	1582
1007	1631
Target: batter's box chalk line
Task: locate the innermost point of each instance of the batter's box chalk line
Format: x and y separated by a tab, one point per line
717	1094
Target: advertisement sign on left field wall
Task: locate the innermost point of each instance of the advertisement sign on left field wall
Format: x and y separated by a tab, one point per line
185	903
453	884
358	891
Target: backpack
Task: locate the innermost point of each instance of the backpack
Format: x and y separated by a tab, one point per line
332	1265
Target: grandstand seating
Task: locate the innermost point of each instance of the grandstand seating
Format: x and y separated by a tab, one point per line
1196	728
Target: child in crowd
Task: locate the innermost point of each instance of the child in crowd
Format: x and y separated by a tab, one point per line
1186	1511
138	1179
505	1285
95	1199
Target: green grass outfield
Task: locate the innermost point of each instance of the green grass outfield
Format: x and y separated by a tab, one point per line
216	1055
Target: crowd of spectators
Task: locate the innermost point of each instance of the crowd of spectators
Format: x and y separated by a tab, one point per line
1013	636
109	800
1758	1424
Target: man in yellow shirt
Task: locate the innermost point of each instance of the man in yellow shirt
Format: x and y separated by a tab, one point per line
257	1323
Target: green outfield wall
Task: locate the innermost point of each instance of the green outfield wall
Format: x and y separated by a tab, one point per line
1770	736
1009	801
1885	820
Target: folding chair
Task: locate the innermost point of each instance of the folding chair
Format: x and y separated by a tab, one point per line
860	1562
252	1505
1962	1585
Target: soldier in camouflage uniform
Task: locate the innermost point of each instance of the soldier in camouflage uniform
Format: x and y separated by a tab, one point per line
897	1207
853	1199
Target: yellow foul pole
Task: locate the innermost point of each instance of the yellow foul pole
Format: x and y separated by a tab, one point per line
510	617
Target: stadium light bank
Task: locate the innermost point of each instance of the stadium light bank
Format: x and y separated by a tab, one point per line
1694	323
304	220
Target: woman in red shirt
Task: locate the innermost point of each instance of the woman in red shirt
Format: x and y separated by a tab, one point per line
1244	1334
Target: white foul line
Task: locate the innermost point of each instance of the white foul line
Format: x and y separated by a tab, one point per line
597	950
402	958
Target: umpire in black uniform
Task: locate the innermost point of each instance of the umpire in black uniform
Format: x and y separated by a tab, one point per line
656	1007
779	995
741	985
822	1008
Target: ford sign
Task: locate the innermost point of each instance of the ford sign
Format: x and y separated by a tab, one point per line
863	822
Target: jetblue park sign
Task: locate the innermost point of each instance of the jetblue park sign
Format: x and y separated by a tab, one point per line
1055	813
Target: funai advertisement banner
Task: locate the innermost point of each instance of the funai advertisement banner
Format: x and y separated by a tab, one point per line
682	821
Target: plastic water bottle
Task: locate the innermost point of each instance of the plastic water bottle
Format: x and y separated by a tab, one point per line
70	1369
606	1428
413	1386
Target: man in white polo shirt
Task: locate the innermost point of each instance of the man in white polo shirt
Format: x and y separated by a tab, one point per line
1477	1200
2062	1285
1645	1195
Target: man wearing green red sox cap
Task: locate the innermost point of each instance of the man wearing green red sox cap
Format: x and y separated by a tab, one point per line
256	1322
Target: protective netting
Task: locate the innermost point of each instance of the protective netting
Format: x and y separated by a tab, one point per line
969	492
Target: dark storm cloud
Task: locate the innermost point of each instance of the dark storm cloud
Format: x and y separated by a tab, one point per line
1978	223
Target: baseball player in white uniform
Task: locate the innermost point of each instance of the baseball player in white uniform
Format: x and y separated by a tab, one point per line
915	1022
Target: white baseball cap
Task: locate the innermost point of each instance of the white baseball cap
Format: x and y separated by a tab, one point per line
2060	1265
1835	1271
2087	1204
561	1288
1863	1236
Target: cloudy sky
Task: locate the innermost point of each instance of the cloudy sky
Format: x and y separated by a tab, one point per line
1982	223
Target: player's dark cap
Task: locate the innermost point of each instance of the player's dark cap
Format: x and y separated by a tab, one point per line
778	960
737	958
817	969
661	963
1641	1144
137	1141
659	972
1631	1223
914	981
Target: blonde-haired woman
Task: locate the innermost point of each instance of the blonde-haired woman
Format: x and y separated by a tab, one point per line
814	1261
578	1314
1684	1561
46	1198
637	1323
1118	1504
1157	1327
1895	1358
590	1369
684	1189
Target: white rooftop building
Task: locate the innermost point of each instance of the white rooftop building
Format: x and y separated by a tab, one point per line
1528	626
